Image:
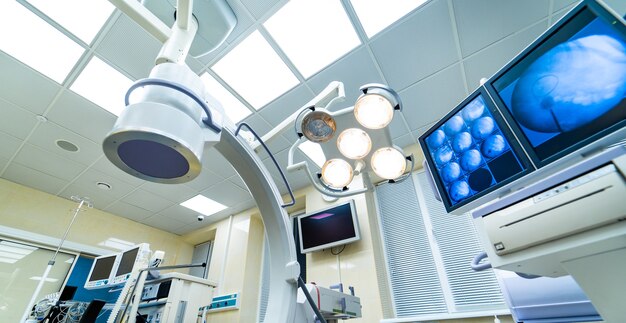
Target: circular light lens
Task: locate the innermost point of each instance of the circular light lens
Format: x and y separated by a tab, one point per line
373	111
318	126
337	173
354	143
388	163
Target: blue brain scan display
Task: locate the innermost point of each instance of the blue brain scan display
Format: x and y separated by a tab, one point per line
470	152
565	92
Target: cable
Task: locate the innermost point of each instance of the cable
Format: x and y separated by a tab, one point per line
340	251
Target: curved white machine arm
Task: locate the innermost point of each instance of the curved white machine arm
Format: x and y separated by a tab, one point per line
284	269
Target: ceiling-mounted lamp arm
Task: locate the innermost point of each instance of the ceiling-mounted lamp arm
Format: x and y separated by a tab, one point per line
176	48
145	18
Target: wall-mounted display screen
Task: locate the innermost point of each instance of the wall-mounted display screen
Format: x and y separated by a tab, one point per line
334	226
568	88
471	152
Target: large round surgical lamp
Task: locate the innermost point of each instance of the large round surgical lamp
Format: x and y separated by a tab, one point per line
374	108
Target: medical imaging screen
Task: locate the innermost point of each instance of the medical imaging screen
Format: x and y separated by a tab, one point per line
569	89
470	152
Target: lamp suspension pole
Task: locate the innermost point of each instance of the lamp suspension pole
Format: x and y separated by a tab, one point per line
82	201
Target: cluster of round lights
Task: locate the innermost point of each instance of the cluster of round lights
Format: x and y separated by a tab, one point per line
373	110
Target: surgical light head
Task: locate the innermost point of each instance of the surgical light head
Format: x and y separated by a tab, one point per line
160	135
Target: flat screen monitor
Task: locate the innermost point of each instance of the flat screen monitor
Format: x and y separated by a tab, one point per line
471	152
568	88
330	227
128	260
101	271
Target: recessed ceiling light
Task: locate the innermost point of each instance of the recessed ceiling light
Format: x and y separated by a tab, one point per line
255	71
203	205
103	85
234	109
314	152
375	16
103	186
93	15
36	43
66	145
313	34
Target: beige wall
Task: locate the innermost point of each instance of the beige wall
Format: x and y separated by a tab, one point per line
235	262
42	213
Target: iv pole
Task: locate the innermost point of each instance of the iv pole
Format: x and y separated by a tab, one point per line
82	201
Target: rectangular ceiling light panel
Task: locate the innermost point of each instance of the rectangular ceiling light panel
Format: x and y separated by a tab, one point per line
203	205
82	18
36	43
234	109
255	71
376	16
313	34
103	85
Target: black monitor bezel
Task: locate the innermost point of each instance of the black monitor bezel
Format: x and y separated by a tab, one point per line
355	224
506	132
554	33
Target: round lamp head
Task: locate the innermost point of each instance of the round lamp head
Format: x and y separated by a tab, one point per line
337	173
318	126
156	142
354	143
388	163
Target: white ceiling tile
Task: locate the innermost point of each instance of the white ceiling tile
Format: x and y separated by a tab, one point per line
16	121
561	4
51	164
556	16
354	70
404	141
244	19
164	223
130	48
8	145
427	46
24	86
216	163
183	230
618	5
236	179
34	179
489	60
483	22
72	111
259	8
105	166
147	200
432	98
47	133
397	127
129	211
180	213
277	111
100	198
226	193
172	192
422	130
194	64
91	177
207	178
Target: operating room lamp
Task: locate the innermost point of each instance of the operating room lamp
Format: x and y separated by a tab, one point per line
354	140
161	134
